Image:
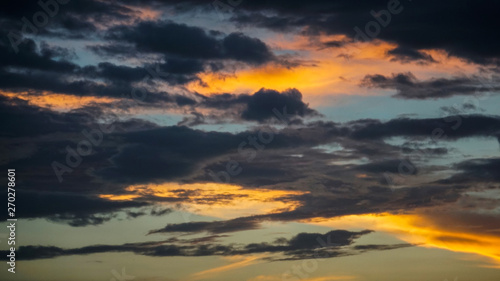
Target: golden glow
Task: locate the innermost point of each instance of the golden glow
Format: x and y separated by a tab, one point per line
280	278
125	197
310	79
58	102
242	261
328	278
324	72
221	200
148	13
424	231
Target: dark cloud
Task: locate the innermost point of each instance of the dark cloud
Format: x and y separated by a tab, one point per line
410	147
332	238
192	42
173	71
262	106
329	203
73	209
470	214
113	50
301	246
390	166
36	83
372	247
52	51
160	211
169	153
140	153
211	227
166	153
181	153
476	170
243	48
434	129
268	169
333	44
409	87
70	20
463	28
37	69
47	58
35	137
111	72
407	55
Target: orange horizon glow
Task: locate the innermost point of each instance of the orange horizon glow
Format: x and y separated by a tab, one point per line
242	261
223	201
421	230
324	278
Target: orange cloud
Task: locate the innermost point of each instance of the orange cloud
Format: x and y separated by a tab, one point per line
58	102
425	229
113	197
224	201
326	71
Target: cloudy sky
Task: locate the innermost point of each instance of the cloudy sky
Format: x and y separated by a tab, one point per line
252	140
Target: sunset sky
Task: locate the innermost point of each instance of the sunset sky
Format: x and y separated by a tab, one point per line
252	140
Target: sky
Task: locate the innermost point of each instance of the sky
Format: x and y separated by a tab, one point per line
162	140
